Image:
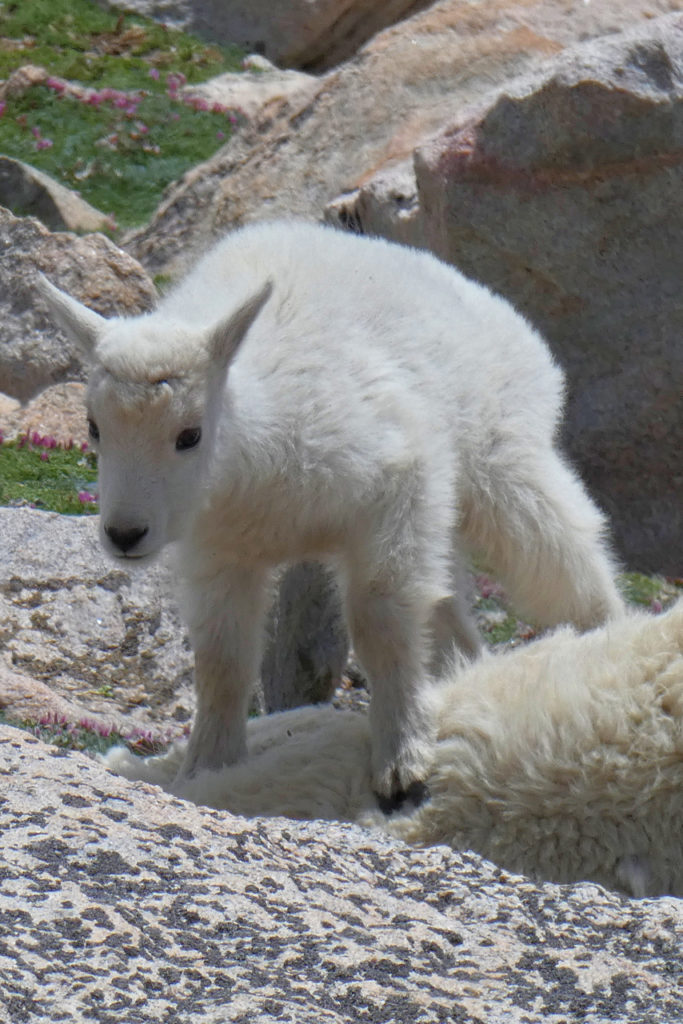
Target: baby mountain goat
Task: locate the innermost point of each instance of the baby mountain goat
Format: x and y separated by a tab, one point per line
305	393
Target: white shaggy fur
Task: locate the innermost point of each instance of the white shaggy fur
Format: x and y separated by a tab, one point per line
562	760
359	403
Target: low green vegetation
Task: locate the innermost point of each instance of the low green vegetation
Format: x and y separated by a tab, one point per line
37	472
129	132
85	735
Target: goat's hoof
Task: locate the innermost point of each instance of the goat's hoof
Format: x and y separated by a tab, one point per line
409	799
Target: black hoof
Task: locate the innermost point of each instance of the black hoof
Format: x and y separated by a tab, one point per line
416	794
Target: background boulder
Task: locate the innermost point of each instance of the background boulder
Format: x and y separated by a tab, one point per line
564	196
405	85
33	353
310	34
26	191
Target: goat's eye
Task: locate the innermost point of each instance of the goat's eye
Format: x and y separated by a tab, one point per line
93	431
188	439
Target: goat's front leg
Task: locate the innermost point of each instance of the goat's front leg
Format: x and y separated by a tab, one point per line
225	611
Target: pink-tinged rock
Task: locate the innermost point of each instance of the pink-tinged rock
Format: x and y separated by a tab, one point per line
564	195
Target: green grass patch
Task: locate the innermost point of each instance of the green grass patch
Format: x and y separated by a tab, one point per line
55	478
123	145
650	591
79	40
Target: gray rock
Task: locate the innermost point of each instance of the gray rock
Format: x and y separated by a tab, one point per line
406	84
33	354
26	191
311	34
122	903
113	642
109	639
564	196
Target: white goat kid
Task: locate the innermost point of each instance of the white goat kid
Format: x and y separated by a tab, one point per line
310	394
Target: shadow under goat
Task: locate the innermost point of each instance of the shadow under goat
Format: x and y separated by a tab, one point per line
561	760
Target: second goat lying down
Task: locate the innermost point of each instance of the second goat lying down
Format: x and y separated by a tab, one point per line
310	394
562	760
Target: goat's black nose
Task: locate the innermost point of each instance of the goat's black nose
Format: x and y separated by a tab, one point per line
127	538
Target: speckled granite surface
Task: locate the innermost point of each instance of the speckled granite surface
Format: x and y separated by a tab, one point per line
121	904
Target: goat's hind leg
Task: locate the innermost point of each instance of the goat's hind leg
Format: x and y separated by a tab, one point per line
388	627
542	535
455	637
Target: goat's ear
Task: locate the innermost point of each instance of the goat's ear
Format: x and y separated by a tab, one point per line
226	336
81	324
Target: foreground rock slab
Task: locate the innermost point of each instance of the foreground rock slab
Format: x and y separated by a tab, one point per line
119	902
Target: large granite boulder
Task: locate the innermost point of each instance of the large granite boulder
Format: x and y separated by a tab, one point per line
564	196
403	86
311	34
33	354
121	903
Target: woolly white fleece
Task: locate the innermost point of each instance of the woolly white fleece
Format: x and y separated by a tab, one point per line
562	760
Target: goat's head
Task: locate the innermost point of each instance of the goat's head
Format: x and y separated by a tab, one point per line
154	393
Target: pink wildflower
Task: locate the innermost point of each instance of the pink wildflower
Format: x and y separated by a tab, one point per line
84	446
220	136
44	457
656	605
86	498
488	587
55	84
44	144
154	73
2	107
